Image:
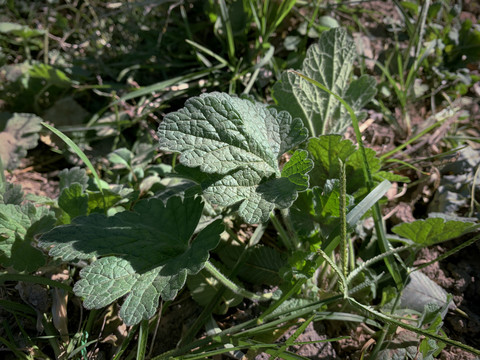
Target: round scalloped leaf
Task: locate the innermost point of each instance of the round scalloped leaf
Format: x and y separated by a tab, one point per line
238	143
144	254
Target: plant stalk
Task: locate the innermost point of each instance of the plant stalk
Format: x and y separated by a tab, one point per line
234	287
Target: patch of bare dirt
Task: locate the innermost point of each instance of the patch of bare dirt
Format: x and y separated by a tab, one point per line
459	276
33	182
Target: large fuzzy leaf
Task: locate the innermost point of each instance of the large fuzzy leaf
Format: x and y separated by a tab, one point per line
18	225
144	254
18	133
330	63
238	143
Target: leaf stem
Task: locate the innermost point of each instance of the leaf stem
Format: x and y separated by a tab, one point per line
142	341
234	287
343	219
207	310
52	336
282	232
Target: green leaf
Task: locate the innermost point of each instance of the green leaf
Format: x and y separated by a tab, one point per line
144	254
18	225
328	62
101	202
361	91
261	265
19	133
385	175
73	201
19	30
238	143
432	230
296	169
358	212
319	209
71	176
122	157
50	74
10	193
354	168
221	133
325	152
203	287
302	214
327	202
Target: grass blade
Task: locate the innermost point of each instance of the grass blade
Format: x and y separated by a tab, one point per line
74	147
354	216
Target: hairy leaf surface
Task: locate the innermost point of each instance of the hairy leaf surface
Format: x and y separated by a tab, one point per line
330	63
432	230
238	143
18	225
72	176
144	254
10	193
326	150
18	133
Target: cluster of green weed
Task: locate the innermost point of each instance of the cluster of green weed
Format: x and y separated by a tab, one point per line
194	120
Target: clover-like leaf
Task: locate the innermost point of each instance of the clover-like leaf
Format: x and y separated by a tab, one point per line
330	63
144	254
238	143
433	230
